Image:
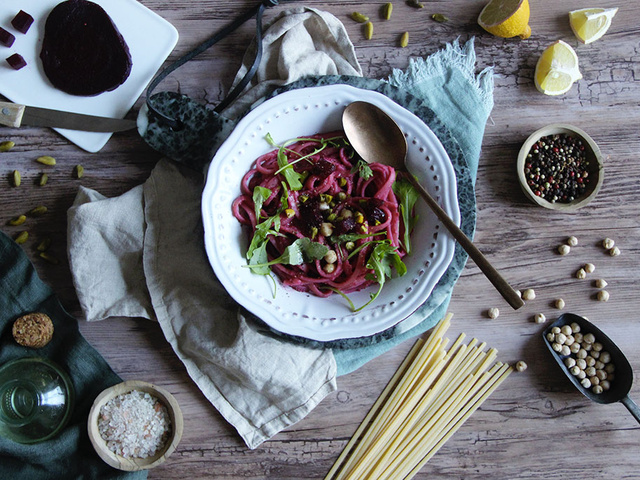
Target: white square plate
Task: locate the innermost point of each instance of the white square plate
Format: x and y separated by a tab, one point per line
150	39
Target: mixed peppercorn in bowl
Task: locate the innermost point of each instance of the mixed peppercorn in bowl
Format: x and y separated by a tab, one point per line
560	167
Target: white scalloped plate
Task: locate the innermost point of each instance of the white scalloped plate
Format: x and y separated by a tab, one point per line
150	39
301	113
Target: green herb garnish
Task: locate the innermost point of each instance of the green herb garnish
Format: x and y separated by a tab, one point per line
407	196
260	195
382	258
363	169
303	250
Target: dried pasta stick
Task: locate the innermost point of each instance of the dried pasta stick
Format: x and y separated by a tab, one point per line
389	397
376	406
474	404
429	397
418	400
387	429
408	437
434	411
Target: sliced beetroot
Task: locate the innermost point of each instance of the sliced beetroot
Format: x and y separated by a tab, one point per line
83	53
6	38
16	61
22	21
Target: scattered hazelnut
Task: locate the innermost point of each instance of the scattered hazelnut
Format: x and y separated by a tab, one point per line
564	249
589	267
521	366
603	296
614	252
528	294
559	303
572	241
493	313
540	318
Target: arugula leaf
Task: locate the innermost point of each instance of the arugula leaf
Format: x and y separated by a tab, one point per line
284	198
260	195
382	258
303	250
270	140
258	259
407	195
352	237
363	169
263	230
291	176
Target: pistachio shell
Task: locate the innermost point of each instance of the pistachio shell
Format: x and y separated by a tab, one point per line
6	145
359	17
46	160
17	178
22	237
387	9
368	30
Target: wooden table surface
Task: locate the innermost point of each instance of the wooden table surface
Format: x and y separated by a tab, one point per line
536	425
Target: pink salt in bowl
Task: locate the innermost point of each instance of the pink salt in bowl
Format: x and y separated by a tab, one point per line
114	440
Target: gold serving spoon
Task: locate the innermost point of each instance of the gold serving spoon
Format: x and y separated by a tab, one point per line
377	138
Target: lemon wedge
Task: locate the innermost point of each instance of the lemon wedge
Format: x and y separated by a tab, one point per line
589	24
506	18
557	69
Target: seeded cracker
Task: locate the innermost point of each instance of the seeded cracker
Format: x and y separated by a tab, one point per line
33	330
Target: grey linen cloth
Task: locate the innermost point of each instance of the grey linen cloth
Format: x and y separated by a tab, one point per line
147	245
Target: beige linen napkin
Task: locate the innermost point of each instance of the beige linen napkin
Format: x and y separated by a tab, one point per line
150	249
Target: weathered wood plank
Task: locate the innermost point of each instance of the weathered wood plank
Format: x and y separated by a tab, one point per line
536	425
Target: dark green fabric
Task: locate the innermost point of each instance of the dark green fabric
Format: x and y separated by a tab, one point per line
69	455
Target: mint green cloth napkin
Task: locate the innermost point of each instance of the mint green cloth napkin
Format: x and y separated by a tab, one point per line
462	100
69	455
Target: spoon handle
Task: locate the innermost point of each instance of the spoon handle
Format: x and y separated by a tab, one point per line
632	407
506	290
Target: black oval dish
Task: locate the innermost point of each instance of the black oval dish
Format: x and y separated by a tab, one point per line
620	386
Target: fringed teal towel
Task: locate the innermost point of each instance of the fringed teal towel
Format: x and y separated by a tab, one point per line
448	83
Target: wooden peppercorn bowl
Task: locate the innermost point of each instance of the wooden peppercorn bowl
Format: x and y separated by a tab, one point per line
593	156
132	463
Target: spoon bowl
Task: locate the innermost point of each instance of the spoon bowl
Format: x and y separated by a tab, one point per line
376	137
620	386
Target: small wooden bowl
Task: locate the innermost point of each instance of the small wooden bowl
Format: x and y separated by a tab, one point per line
593	155
134	464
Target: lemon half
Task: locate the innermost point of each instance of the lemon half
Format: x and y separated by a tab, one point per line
557	69
506	18
589	24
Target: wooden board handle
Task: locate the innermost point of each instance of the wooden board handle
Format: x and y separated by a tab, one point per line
11	114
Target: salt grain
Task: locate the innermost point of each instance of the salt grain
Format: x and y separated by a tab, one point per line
134	424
